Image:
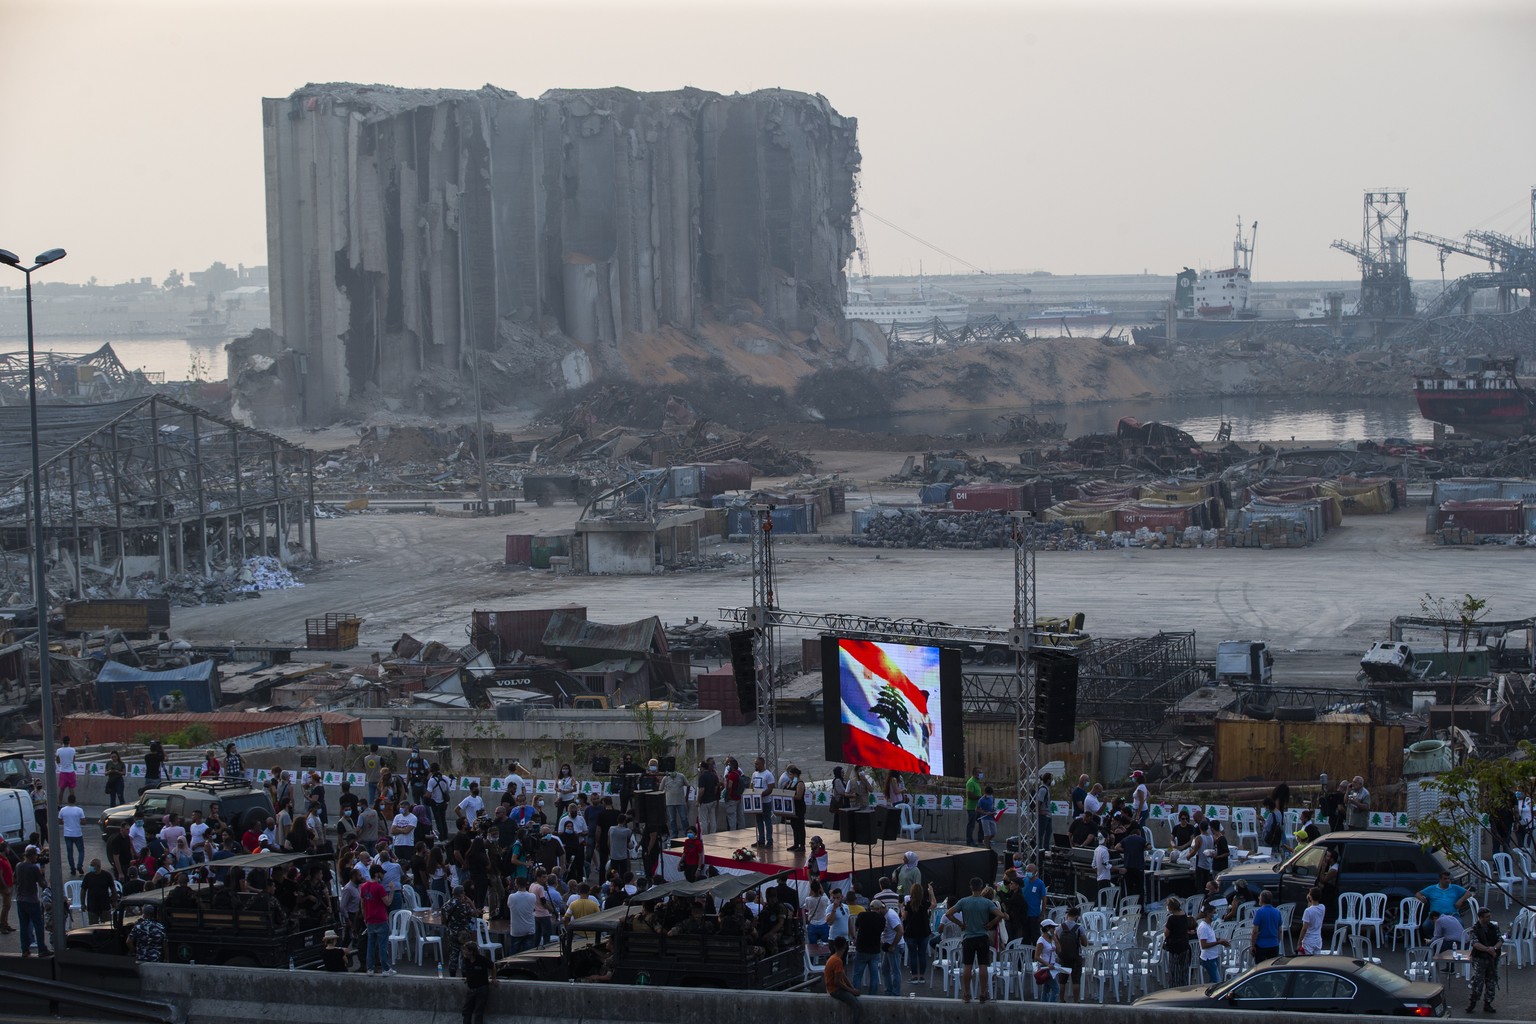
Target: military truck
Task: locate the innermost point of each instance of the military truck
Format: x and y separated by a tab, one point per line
217	930
603	947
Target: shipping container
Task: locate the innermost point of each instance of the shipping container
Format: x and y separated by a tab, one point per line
987	497
519	549
1104	490
1484	516
516	630
787	519
1466	489
934	494
548	545
92	728
684	482
1518	490
839	496
1158	516
719	477
1308	514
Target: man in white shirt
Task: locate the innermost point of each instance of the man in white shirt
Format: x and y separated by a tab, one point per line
1101	871
137	835
1141	799
515	784
72	825
763	781
402	831
438	787
1093	803
197	836
471	807
64	758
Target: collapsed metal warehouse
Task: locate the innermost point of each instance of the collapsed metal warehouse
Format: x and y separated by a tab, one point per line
149	485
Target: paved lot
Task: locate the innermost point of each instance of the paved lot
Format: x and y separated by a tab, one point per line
424	574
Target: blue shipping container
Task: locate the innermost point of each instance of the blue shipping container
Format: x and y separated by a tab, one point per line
934	494
795	519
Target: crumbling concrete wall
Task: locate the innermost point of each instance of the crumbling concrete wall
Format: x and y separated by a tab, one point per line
406	227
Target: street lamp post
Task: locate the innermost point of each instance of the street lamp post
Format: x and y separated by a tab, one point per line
40	590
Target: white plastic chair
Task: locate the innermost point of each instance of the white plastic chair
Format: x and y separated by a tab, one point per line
1421	964
1410	918
1373	914
409	898
1348	921
72	894
484	941
1246	820
1504	869
1017	962
909	828
1522	939
1105	967
1287	943
400	926
812	967
948	956
425	939
1490	880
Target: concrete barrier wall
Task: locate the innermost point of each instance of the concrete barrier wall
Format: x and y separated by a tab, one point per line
235	996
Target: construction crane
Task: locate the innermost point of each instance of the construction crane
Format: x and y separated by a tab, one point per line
862	244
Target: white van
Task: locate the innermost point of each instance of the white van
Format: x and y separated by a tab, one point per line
16	818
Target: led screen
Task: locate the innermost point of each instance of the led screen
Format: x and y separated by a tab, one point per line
892	705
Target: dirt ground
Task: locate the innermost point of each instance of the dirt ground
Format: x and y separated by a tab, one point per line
423	574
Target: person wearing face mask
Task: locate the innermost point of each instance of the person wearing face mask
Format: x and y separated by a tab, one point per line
972	799
1032	889
565	790
96	893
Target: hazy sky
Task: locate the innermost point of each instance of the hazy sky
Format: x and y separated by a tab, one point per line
1076	137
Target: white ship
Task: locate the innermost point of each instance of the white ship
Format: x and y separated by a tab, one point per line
919	312
1223	294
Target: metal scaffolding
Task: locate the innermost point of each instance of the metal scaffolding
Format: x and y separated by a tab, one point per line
1128	685
152	483
761	620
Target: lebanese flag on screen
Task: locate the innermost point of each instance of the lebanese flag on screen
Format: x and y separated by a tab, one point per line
876	676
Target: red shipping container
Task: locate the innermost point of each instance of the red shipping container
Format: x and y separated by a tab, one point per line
988	497
1154	517
519	549
1483	515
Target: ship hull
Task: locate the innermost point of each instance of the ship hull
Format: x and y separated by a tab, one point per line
1488	413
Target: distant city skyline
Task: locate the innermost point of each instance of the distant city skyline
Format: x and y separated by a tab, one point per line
1074	137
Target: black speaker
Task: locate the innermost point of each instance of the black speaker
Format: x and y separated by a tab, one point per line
744	668
1055	697
652	808
859	828
601	766
666	764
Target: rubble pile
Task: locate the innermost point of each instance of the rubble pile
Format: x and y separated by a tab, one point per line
187	590
919	528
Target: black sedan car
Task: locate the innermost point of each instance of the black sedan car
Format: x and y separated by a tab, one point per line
1311	984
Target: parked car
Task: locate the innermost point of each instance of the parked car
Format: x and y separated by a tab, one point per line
1310	984
1369	861
14	773
240	804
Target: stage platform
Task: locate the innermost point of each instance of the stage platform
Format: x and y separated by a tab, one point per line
949	867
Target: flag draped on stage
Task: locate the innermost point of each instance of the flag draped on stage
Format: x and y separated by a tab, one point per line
885	691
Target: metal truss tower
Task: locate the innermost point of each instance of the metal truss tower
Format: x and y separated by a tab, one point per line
1385	289
764	646
1020	639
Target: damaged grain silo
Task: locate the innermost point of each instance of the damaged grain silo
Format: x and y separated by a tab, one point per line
410	229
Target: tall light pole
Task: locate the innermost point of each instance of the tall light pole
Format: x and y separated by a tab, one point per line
40	590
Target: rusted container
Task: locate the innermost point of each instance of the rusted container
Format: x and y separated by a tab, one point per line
985	497
518	630
1485	516
519	549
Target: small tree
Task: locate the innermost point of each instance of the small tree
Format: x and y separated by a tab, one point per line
1458	621
1468	791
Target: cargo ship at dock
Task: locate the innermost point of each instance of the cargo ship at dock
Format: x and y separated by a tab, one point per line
1488	401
